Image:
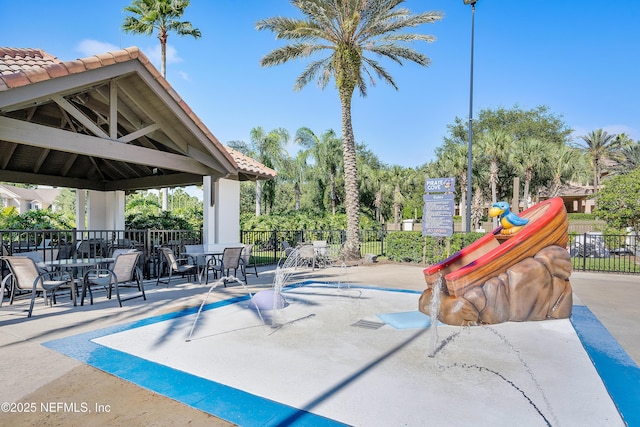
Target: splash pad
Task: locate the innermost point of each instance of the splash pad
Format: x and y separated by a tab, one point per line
329	369
331	361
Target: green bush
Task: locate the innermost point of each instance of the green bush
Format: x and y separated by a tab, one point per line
581	217
44	219
165	221
302	220
409	246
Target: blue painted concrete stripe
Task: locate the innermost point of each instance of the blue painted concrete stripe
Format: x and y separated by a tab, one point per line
619	373
617	370
222	401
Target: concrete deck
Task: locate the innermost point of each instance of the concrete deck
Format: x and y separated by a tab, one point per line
33	373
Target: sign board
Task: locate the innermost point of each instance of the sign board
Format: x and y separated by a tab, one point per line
439	207
440	185
437	216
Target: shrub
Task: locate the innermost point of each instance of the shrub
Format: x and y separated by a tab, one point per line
409	246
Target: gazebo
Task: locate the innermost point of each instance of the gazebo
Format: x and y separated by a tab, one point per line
111	124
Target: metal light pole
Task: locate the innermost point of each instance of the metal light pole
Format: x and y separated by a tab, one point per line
469	162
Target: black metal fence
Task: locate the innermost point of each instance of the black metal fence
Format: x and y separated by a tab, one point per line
613	253
589	251
268	245
59	244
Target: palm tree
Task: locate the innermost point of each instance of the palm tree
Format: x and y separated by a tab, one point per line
565	164
374	179
348	29
453	161
160	15
599	146
401	179
628	159
295	171
528	157
326	151
627	155
494	144
269	150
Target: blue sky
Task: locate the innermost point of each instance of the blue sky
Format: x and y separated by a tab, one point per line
580	58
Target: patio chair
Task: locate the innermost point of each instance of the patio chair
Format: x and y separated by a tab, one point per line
248	261
4	267
199	260
24	275
321	250
55	273
124	273
37	258
91	248
231	259
336	256
175	266
306	255
286	247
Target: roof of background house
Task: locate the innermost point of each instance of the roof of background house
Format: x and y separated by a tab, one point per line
570	190
44	195
24	66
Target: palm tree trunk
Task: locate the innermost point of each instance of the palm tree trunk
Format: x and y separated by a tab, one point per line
163	46
493	179
555	190
352	197
528	177
258	198
297	192
396	206
333	193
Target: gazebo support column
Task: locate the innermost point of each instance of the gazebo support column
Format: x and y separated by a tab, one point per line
221	222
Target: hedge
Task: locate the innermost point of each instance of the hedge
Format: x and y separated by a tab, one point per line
411	246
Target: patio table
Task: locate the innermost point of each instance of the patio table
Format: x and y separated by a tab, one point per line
75	265
215	250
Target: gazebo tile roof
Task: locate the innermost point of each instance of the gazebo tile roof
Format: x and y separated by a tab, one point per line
57	70
24	66
250	164
15	59
121	55
92	62
16	80
36	75
74	67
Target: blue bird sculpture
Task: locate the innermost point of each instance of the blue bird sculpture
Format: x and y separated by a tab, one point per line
511	223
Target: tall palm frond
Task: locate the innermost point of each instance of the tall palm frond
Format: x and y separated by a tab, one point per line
348	30
162	16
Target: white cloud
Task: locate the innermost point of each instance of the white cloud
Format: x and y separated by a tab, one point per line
184	75
93	47
155	55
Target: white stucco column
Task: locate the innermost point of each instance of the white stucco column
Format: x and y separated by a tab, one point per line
115	209
97	210
81	206
221	213
227	206
106	210
208	211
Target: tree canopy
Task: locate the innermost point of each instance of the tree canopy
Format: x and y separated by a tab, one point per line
619	201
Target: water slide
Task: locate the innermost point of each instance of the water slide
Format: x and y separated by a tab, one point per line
495	253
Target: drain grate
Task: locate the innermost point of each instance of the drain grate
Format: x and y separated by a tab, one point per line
368	324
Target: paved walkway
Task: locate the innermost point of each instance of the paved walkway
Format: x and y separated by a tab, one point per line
35	374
